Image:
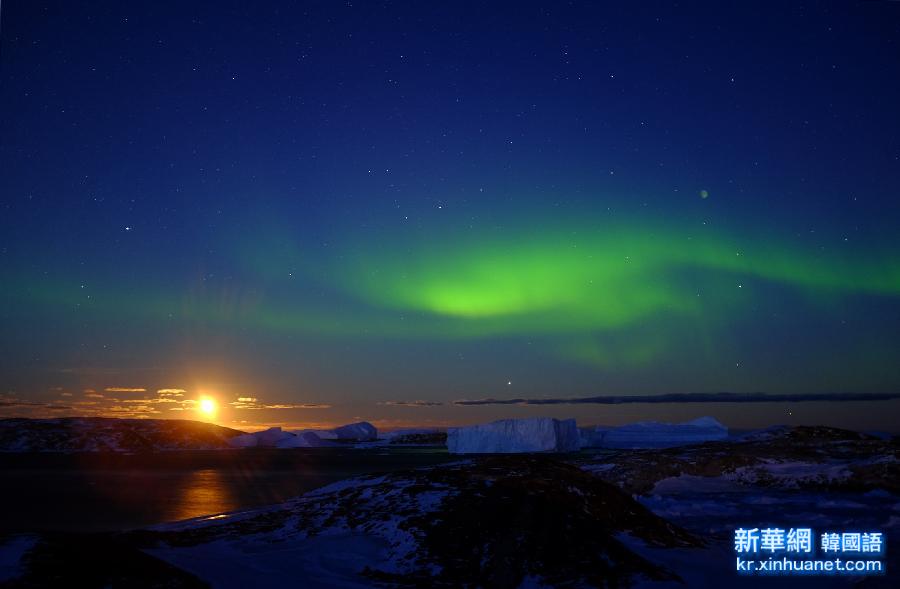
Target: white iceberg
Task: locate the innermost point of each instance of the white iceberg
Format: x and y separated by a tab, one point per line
536	434
304	440
322	434
590	437
360	432
356	432
275	437
654	434
243	441
268	438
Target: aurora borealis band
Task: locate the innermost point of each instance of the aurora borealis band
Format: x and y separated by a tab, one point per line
339	212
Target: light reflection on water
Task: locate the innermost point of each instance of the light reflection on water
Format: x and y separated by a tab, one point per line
97	493
204	491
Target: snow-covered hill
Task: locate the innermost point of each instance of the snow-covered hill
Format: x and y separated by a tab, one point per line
100	434
495	521
811	458
498	521
626	519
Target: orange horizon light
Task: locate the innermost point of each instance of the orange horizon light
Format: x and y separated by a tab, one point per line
208	407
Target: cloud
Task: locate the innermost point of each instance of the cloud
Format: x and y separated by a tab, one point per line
691	398
89	371
130	410
104	371
417	403
98	404
171	392
14	402
124	390
253	403
10	402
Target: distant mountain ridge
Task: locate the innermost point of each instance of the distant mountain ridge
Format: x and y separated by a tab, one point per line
108	434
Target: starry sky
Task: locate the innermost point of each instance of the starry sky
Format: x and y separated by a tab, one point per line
325	211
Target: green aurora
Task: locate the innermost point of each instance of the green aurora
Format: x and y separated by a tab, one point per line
575	279
606	294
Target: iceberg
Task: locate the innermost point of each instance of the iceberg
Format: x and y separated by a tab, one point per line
275	437
591	437
243	441
654	434
360	432
268	438
354	432
323	434
304	440
537	434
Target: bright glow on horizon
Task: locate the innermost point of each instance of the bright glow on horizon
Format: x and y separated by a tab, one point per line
208	407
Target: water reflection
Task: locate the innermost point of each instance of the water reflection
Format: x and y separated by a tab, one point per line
202	492
40	492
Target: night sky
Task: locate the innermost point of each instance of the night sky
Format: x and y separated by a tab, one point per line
334	211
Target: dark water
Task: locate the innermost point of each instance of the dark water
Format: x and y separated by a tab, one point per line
97	492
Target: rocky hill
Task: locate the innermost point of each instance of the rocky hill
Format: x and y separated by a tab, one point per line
100	434
802	457
500	521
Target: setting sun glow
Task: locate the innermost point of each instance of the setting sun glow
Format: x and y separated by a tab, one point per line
207	407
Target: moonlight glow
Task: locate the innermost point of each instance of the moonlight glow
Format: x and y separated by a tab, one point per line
208	407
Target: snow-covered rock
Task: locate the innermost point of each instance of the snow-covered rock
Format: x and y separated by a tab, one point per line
789	458
654	434
431	526
536	434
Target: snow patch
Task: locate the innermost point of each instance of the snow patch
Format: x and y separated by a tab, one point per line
11	553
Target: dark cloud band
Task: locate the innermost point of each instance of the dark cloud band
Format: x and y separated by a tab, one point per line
692	398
